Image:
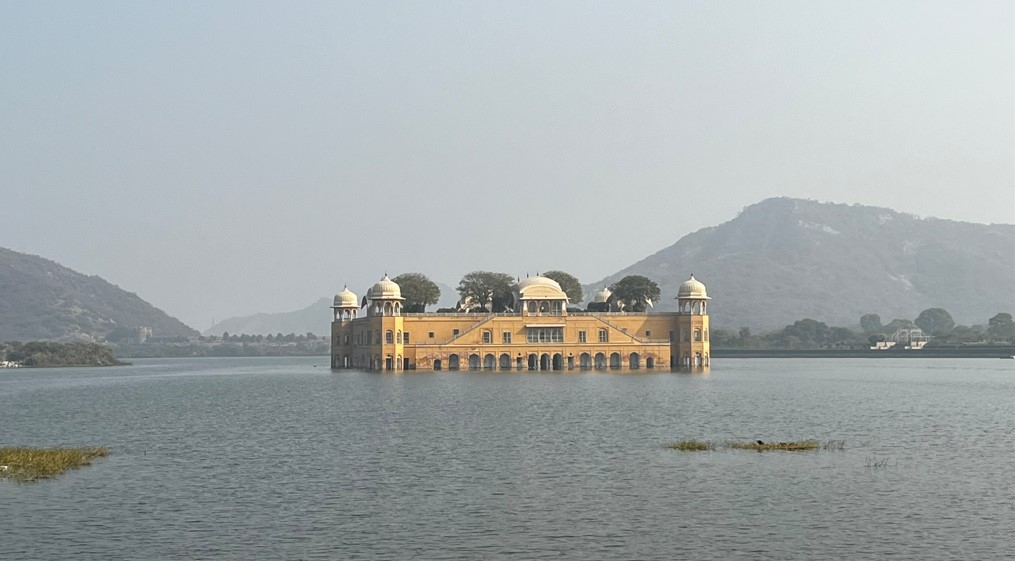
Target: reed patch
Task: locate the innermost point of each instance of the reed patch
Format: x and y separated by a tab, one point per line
31	464
692	445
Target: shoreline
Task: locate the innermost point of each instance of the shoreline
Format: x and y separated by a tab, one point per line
991	352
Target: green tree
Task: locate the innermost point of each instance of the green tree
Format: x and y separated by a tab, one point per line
870	323
935	321
418	290
897	324
1001	327
484	286
807	331
636	292
568	283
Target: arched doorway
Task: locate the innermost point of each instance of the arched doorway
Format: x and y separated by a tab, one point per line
600	361
635	360
544	362
650	362
489	362
558	362
453	362
505	361
533	362
473	362
585	361
436	364
615	360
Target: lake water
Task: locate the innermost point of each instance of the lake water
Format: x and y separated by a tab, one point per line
282	458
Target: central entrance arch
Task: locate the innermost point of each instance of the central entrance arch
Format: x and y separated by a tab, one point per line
615	360
600	361
544	362
635	360
558	362
453	362
585	361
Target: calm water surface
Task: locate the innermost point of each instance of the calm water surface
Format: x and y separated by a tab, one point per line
285	459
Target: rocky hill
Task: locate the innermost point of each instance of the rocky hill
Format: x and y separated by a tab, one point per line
43	300
315	318
785	259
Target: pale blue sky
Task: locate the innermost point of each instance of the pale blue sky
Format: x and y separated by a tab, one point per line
225	158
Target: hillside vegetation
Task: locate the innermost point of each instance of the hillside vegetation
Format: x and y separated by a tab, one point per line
785	259
49	354
43	300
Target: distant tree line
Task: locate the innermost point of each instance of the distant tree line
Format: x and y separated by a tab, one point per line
51	354
808	333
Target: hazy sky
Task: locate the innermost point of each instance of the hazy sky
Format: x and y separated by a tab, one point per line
225	158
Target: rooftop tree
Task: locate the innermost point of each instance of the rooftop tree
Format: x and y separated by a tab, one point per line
418	290
568	283
636	292
485	287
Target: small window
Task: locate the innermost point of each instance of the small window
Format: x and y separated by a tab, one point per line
604	336
648	333
430	335
687	335
487	337
697	335
389	337
506	338
582	338
405	337
455	332
398	337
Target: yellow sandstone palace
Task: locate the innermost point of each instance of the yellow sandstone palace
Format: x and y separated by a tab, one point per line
542	335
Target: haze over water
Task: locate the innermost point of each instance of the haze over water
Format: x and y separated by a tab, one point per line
283	458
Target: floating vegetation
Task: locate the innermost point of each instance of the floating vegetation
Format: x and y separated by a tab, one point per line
877	463
30	464
758	445
691	445
793	446
835	445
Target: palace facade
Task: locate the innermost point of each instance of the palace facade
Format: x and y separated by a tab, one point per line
543	334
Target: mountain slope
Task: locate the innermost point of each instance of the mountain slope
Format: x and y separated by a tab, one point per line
315	318
43	300
785	259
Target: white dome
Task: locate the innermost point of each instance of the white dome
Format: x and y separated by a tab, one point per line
539	287
385	289
692	288
603	296
346	299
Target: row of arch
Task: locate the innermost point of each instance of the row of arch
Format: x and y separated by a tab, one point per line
544	361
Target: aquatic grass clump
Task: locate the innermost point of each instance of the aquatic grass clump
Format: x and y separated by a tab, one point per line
30	464
835	445
792	446
691	445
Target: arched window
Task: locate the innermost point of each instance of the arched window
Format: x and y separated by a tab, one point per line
389	337
398	337
697	335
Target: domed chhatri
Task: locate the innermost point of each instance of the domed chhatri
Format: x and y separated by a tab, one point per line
539	288
692	288
603	296
540	331
346	299
385	289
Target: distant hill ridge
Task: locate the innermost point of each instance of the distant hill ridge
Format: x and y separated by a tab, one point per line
43	300
785	259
